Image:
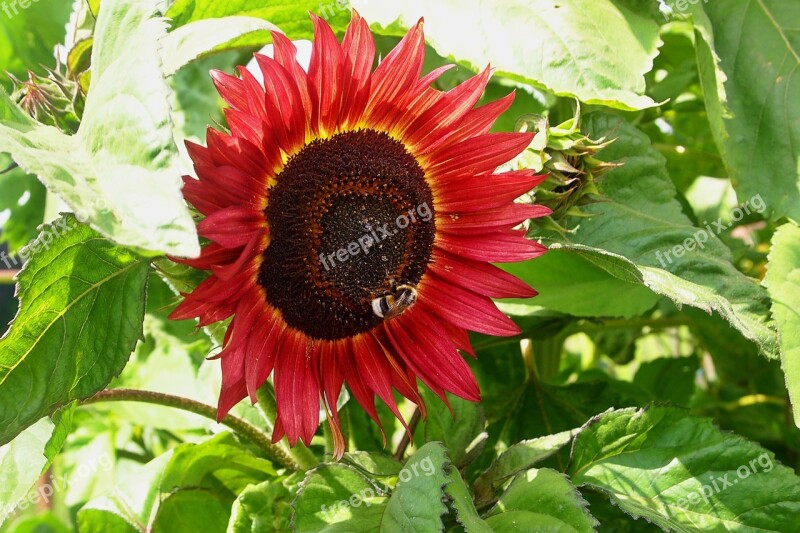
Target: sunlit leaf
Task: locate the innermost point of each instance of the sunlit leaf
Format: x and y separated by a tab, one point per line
76	282
539	498
681	473
749	60
783	282
540	42
120	170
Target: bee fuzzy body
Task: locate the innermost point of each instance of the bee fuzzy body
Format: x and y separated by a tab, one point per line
395	303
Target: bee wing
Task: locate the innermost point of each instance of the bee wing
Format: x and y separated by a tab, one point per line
393	312
405	300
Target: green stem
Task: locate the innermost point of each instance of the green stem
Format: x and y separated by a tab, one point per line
265	396
241	427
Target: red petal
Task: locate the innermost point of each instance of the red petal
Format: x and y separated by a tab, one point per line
359	51
464	308
355	382
325	74
233	227
431	354
296	390
231	89
372	364
503	247
483	192
397	75
477	155
233	385
330	378
437	121
284	104
490	220
286	55
479	121
197	194
210	255
478	276
232	187
237	152
199	154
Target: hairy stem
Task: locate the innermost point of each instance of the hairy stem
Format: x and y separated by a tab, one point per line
241	427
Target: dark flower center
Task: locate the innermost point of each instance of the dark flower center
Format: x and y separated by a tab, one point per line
350	219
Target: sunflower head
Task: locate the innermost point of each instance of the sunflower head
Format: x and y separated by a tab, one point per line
353	214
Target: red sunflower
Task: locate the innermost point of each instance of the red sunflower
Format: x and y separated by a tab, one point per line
353	217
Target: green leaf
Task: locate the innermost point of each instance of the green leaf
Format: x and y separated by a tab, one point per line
594	50
639	232
516	520
583	293
62	420
45	522
373	464
219	464
551	494
92	520
196	102
461	501
29	34
22	462
122	163
519	406
749	59
460	430
165	362
290	16
186	43
670	379
209	475
517	458
129	507
682	473
261	508
81	310
338	498
416	503
783	282
191	510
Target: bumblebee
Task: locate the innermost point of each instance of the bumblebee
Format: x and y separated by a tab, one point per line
395	303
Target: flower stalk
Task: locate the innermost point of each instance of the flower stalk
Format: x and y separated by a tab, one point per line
241	427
